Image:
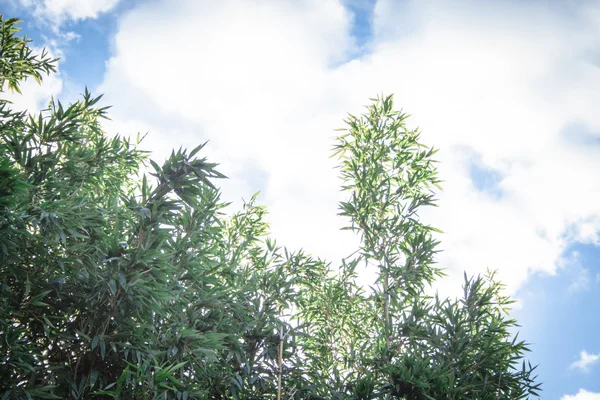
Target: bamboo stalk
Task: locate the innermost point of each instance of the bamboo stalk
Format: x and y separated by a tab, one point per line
280	363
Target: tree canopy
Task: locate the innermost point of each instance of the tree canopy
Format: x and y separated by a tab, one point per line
124	284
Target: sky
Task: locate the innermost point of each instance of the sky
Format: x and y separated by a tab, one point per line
509	91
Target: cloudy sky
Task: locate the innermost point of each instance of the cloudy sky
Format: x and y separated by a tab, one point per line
508	90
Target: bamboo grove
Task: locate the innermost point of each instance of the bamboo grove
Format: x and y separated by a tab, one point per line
122	278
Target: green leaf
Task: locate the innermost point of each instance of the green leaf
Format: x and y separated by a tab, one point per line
93	378
112	286
102	349
95	341
156	167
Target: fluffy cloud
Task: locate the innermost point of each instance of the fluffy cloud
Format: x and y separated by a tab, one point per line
586	360
58	11
582	395
581	282
504	86
254	79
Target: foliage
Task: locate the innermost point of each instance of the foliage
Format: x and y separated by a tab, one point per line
116	283
17	59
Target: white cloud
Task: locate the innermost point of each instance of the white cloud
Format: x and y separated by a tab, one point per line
582	395
59	11
586	360
253	78
581	282
268	82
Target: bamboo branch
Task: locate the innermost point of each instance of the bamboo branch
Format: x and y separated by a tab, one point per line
280	362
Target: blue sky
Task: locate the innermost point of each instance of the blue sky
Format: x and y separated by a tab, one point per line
508	90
